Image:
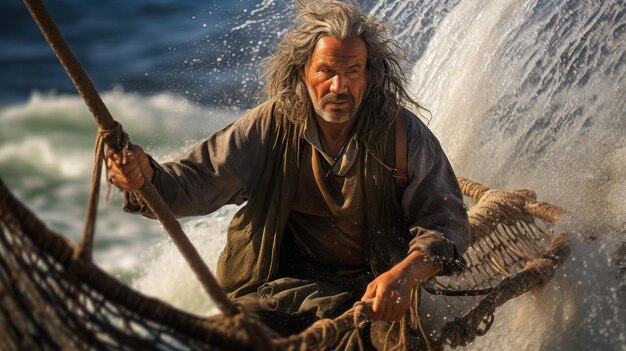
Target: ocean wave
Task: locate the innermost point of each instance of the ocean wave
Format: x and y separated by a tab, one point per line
53	134
37	155
46	159
531	95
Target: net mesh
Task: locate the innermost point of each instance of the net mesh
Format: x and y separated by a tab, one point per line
509	230
51	301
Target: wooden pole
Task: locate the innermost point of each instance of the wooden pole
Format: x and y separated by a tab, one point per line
104	119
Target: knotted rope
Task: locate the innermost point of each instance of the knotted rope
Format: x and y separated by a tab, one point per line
45	257
119	139
477	322
112	137
342	332
106	122
326	333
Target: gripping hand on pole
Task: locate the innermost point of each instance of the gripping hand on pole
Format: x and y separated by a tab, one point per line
125	171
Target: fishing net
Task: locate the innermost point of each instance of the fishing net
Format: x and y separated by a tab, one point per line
51	300
505	237
515	246
52	297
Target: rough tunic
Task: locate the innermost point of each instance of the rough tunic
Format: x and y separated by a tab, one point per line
327	219
258	158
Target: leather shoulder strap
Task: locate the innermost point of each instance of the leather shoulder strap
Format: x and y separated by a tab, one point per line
400	172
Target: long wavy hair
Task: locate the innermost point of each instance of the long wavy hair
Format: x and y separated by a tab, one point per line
386	91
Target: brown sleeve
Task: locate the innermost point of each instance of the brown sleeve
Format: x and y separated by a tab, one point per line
223	169
433	202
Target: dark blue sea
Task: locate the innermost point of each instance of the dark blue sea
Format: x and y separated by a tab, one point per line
200	49
522	94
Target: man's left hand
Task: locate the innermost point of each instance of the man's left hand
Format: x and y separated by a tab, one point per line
391	290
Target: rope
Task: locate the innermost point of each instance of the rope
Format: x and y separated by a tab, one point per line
258	333
84	248
116	140
416	314
388	335
545	211
152	198
472	189
477	322
40	256
119	139
43	257
70	63
113	136
326	333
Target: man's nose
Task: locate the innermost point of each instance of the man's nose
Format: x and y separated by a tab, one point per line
338	84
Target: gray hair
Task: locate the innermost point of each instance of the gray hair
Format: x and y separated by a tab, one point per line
386	91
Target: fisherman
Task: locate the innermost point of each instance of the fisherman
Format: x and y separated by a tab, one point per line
324	223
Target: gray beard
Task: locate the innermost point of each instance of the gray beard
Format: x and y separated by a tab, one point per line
326	115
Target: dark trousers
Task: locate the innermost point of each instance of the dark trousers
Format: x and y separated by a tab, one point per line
378	335
284	324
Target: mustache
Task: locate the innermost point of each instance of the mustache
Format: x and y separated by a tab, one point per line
336	98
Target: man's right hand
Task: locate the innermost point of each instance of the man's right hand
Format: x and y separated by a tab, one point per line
128	176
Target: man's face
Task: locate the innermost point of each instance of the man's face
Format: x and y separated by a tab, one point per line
335	77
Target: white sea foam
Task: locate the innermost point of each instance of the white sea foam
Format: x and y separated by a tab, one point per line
46	158
167	275
54	134
39	155
512	112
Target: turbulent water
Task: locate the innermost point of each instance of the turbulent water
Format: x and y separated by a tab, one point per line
522	94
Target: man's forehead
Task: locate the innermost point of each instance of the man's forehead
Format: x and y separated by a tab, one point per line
340	50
